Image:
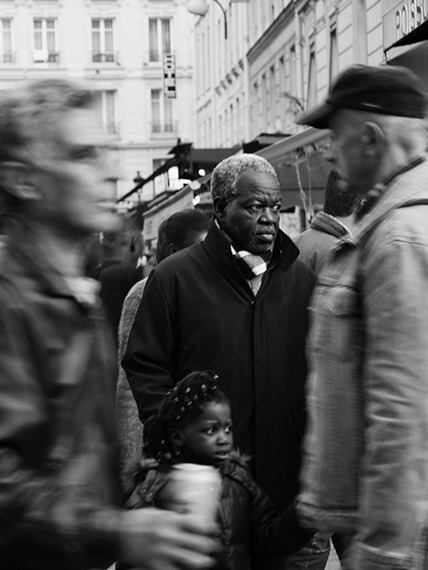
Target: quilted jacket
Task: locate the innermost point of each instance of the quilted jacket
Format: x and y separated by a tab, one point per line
246	516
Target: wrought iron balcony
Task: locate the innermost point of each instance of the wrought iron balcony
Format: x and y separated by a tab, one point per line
164	127
107	57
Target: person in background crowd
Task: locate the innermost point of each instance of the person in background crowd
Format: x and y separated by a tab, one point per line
365	470
177	232
59	485
120	268
329	225
194	425
235	303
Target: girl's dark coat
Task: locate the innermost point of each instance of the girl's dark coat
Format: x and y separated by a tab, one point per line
246	516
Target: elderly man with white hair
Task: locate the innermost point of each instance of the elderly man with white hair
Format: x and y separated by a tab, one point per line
237	304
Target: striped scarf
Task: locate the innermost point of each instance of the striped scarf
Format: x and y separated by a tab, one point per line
250	265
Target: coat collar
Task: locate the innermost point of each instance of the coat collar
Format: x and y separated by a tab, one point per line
285	252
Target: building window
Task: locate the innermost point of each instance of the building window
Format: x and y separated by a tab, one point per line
334	55
239	133
272	95
254	107
159	38
160	183
282	107
293	87
102	40
232	138
312	80
105	102
45	40
6	55
162	117
263	111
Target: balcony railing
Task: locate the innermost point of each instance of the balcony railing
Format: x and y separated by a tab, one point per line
154	55
112	127
7	57
107	57
44	56
163	127
53	57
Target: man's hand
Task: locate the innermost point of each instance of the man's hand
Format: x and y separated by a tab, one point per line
164	540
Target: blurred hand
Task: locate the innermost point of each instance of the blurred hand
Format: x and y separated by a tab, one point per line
164	540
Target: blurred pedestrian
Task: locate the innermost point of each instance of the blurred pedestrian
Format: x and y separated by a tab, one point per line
328	225
365	471
235	303
194	425
59	484
120	268
177	232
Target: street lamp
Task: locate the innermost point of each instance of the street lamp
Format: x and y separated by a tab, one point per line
200	8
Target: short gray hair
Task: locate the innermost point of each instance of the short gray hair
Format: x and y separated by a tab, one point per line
225	175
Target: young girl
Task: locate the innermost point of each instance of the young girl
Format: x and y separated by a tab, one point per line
194	425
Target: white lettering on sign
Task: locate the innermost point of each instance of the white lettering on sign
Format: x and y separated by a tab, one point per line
409	16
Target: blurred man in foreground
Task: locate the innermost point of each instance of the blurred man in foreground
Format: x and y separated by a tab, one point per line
59	495
365	470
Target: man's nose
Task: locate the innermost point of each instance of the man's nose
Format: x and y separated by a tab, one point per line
110	167
330	152
269	215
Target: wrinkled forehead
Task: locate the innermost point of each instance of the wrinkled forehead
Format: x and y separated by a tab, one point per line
257	183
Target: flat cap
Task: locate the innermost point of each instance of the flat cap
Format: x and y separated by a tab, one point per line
385	89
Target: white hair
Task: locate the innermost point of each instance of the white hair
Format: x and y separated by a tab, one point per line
225	175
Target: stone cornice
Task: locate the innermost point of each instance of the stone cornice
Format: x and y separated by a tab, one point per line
271	33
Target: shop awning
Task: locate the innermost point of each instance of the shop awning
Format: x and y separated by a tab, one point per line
301	166
417	35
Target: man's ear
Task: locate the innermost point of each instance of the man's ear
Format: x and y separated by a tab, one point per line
16	178
219	206
373	139
172	248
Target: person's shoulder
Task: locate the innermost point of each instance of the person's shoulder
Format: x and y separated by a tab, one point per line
303	272
311	237
181	260
302	236
135	472
237	467
405	222
136	291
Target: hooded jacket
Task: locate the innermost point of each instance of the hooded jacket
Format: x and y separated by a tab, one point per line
198	312
316	243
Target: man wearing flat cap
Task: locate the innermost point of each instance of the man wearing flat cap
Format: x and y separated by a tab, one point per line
365	467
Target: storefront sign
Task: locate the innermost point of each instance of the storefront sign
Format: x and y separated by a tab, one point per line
402	19
169	77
